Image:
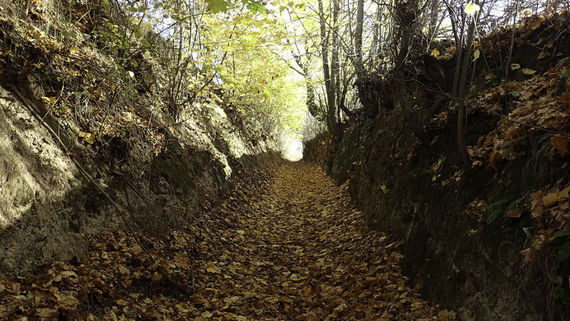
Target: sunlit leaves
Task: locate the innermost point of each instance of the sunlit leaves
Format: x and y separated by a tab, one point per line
250	46
87	137
434	52
254	6
105	4
472	8
216	6
49	100
528	71
476	54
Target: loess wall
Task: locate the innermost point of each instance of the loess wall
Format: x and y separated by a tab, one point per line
480	240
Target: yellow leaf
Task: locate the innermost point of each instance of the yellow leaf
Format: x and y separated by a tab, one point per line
181	308
156	276
472	8
123	270
67	301
87	137
476	163
47	313
197	299
49	100
212	268
550	199
435	52
67	274
528	71
515	66
207	314
296	277
476	54
272	299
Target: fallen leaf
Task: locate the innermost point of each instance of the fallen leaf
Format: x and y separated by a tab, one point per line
528	71
87	137
296	277
212	268
156	276
560	144
197	299
47	313
49	100
435	52
514	213
123	270
272	299
550	199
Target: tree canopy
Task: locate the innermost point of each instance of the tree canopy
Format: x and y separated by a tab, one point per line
275	60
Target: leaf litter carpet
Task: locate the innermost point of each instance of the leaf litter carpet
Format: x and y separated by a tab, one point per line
285	246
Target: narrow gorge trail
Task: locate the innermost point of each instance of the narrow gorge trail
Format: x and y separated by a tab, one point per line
285	246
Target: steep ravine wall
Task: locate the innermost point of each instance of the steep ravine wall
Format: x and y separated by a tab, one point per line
454	260
54	198
87	147
404	173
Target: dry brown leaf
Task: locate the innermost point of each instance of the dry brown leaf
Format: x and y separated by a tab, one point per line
197	299
514	213
212	268
47	313
560	144
550	199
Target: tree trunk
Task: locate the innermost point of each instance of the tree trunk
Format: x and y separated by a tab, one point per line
328	73
358	37
462	106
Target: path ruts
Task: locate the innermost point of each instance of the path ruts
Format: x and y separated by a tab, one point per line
291	249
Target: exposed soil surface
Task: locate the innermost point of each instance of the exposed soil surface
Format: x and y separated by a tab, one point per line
285	246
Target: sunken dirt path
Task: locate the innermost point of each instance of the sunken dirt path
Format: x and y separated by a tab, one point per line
283	247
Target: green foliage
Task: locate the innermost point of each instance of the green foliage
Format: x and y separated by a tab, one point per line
472	8
105	5
231	45
261	84
254	6
216	6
